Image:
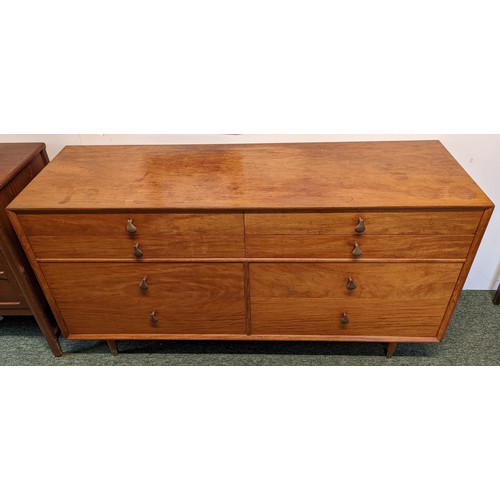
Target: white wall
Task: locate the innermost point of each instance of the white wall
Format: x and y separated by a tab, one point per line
478	154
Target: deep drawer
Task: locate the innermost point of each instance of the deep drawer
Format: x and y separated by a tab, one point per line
373	318
387	299
386	223
102	299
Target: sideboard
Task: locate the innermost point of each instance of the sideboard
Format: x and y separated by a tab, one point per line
368	242
20	294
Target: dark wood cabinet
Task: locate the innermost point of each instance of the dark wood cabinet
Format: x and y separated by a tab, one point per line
20	293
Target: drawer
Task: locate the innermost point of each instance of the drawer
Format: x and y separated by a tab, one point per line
403	318
101	247
403	222
11	296
388	299
371	246
98	236
101	299
149	225
371	281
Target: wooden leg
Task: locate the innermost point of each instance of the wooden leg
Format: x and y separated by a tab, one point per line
113	347
49	331
391	347
496	298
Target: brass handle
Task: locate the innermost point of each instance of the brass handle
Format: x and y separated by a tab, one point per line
357	251
143	285
130	227
153	318
345	319
350	284
360	228
137	251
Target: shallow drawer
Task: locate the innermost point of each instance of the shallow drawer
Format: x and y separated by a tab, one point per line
116	225
371	247
101	247
437	222
378	299
103	299
11	296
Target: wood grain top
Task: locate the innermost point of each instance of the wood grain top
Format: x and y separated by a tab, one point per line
308	176
14	156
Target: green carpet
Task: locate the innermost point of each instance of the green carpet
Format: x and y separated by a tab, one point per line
473	338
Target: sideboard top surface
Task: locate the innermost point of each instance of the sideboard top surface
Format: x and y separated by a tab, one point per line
308	176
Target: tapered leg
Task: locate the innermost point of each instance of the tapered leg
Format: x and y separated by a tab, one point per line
50	333
391	347
496	298
113	347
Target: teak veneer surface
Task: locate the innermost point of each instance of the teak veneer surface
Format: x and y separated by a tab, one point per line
417	174
253	241
397	222
374	247
106	298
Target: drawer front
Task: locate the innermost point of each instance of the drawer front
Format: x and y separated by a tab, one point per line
11	296
98	236
322	317
172	247
437	222
370	246
147	225
102	299
379	299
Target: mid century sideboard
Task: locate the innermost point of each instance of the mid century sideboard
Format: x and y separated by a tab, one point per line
368	242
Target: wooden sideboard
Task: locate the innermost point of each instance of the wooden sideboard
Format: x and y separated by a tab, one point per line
367	242
19	291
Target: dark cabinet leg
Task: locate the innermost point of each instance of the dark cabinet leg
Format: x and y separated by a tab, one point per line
113	347
50	333
391	347
496	298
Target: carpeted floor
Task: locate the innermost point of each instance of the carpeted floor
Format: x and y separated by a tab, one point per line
473	338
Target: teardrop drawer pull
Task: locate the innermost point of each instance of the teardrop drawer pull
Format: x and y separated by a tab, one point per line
137	251
143	285
345	319
357	251
130	227
360	228
350	284
153	318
